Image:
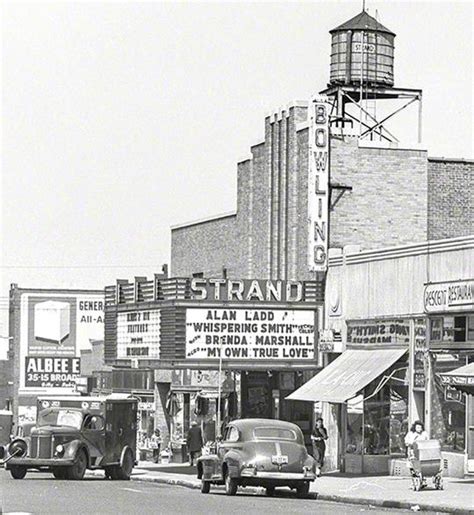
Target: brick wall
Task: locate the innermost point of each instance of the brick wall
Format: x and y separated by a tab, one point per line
398	197
388	202
205	247
450	198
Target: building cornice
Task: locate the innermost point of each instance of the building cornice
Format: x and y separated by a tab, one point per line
417	249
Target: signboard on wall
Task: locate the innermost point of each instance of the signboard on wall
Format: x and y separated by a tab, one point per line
452	296
318	185
254	334
255	290
54	329
419	358
138	334
388	332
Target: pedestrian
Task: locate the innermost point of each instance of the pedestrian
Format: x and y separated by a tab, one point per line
417	433
318	437
194	442
155	444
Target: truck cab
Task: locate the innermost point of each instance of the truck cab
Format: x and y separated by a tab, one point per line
73	434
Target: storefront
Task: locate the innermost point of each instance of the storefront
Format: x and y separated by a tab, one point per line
450	310
367	385
379	300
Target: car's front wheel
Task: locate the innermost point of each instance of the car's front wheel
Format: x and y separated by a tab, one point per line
205	486
230	485
303	489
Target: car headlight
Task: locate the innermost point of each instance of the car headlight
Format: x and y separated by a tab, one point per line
59	451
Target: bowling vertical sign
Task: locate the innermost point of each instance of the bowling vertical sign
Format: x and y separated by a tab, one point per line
318	185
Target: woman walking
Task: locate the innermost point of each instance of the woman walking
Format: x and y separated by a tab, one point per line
318	437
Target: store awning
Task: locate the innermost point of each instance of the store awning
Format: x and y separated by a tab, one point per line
347	375
461	378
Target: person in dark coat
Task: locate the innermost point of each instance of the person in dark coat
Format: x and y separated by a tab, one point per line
194	442
319	437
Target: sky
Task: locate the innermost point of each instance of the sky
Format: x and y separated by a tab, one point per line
120	120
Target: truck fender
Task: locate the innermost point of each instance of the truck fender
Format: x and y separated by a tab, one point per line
73	448
124	451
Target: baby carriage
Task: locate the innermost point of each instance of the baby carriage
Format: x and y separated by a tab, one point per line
426	461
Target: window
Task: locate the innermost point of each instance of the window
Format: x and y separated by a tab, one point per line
452	328
232	434
94	423
470	328
60	417
448	414
277	433
436	329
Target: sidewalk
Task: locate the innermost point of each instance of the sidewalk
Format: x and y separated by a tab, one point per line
384	491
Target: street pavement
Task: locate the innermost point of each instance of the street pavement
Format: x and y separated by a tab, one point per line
383	491
40	493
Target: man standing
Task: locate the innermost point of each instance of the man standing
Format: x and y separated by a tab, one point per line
155	443
194	442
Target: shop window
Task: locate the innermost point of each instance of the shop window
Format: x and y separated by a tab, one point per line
436	329
448	406
354	425
385	415
470	328
452	328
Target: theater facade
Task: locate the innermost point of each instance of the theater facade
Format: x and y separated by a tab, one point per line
219	349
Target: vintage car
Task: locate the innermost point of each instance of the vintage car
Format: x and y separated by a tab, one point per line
258	452
72	434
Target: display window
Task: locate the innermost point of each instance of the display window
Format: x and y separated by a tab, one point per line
448	411
452	328
377	422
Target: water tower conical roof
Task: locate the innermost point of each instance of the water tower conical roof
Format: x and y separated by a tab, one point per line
363	21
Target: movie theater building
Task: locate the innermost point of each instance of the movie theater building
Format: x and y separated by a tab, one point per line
404	320
218	348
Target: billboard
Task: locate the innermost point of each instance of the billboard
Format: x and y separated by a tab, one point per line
138	334
318	185
54	329
254	334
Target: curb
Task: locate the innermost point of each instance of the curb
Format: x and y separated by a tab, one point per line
325	497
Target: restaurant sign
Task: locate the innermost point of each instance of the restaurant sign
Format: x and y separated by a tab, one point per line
389	332
253	334
449	297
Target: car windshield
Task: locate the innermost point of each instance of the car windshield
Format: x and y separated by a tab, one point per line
60	417
274	433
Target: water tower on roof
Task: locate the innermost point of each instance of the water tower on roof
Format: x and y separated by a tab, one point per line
362	75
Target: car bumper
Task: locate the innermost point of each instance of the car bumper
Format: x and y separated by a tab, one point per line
279	476
35	463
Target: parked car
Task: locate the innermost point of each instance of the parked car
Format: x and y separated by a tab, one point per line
258	452
73	434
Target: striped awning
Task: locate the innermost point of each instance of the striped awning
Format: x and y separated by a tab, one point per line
461	378
347	375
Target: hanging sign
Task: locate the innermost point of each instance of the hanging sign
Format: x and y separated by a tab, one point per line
318	185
